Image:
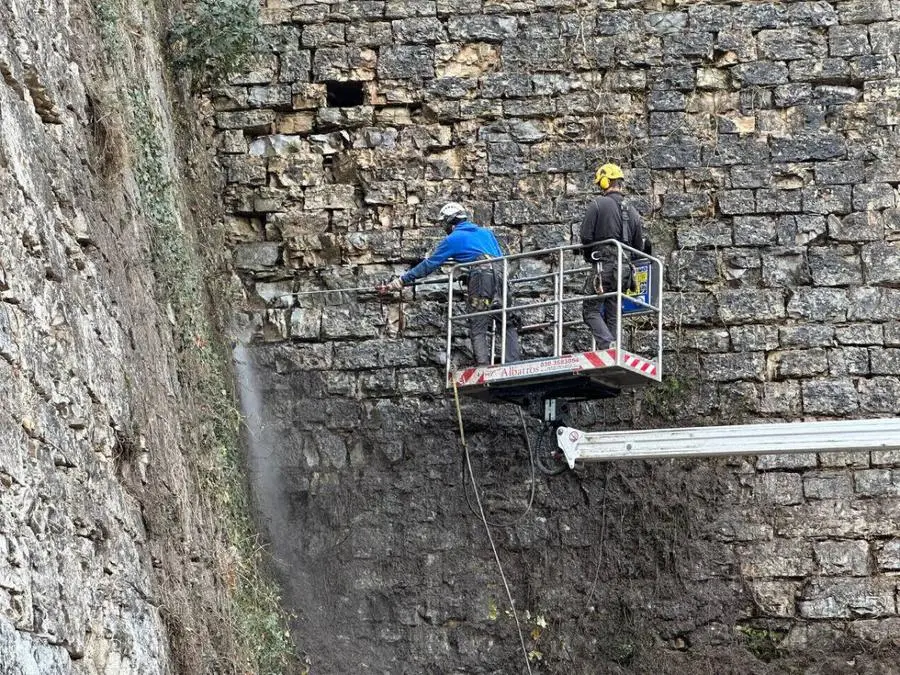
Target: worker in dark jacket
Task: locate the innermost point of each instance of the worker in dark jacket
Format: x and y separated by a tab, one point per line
608	217
467	242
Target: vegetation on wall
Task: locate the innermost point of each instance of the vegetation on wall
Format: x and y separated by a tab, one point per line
183	270
213	38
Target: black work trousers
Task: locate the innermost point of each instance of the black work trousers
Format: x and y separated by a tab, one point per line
484	294
600	313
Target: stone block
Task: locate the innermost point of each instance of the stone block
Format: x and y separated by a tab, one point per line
880	90
668	100
761	73
805	363
877	483
405	62
323	35
842	558
751	176
349	321
804	460
378	383
354	117
734	202
253	122
851	40
419	382
880	395
776	598
878	631
704	233
808	146
779	201
309	356
688	45
506	158
885	37
781	398
399	9
731	367
787	267
848	361
806	336
482	28
860	334
418	31
865	11
777	558
779	488
753	338
689	205
370	34
256	256
787	44
840	172
835	266
848	598
873	67
666	123
839	519
827	485
750	306
874	196
819	304
675	152
693	270
375	354
836	397
808	229
873	304
819	71
866	226
689	309
756	16
885	361
887	555
731	149
881	262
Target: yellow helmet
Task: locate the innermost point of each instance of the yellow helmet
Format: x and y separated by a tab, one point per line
607	173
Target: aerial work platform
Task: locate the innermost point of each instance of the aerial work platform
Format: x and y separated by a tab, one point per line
550	298
585	375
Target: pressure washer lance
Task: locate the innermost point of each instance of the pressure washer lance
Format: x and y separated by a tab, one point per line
369	289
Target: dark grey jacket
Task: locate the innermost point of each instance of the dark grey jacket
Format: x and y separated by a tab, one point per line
603	220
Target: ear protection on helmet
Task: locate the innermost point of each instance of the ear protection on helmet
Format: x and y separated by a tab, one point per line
606	174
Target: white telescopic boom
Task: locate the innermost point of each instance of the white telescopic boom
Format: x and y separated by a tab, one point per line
723	441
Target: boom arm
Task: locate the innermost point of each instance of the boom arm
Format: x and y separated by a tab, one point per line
747	439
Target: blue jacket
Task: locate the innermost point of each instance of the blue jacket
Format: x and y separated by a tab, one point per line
466	243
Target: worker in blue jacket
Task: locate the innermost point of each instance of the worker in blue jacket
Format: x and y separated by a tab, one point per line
467	242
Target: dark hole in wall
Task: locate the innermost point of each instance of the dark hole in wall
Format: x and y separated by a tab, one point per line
343	94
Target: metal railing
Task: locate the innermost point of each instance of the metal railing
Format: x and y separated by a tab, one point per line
557	297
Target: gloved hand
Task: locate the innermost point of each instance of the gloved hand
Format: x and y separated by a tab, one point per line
388	285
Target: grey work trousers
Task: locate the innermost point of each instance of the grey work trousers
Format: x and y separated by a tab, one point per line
600	313
482	295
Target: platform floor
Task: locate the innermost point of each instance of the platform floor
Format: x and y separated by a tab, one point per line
585	375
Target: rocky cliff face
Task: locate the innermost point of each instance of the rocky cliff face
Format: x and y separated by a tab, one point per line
761	141
110	561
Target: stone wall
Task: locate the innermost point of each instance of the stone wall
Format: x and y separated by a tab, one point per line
760	140
108	554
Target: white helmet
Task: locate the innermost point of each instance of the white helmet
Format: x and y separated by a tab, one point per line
452	213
